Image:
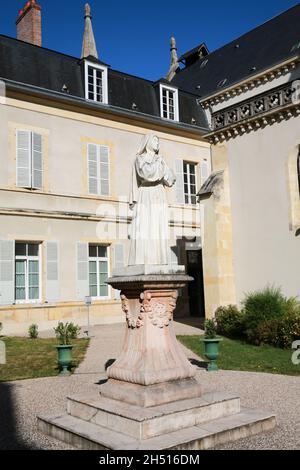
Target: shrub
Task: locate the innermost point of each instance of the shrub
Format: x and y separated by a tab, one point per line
74	331
263	306
230	321
289	330
33	331
1	326
210	329
66	331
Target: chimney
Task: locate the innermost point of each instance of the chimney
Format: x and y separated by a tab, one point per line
29	23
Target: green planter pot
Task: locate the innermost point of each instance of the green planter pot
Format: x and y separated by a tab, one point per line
64	353
211	351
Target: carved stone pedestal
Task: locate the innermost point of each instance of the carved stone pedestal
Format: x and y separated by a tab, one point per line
152	400
151	354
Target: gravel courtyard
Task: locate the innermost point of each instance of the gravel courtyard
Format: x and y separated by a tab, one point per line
21	402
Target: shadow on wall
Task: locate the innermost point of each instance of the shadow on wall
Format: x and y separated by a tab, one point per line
9	438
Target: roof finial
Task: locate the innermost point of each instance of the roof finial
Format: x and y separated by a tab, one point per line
89	44
87	10
174	60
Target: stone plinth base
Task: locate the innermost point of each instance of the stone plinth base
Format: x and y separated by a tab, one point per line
152	395
101	423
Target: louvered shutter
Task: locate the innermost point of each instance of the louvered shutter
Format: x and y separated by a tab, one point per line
7	272
37	161
104	170
118	252
82	271
204	172
52	284
23	159
93	169
179	182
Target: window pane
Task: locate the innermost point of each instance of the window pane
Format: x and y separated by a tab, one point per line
93	267
33	267
187	200
93	291
103	279
104	291
192	169
20	293
93	279
92	252
20	249
20	267
33	250
194	200
103	267
102	251
33	280
33	293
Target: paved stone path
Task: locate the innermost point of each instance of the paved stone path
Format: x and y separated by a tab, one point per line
21	402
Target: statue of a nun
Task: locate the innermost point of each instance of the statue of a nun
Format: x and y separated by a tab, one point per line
150	224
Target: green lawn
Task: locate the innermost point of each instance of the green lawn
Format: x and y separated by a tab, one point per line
238	355
27	358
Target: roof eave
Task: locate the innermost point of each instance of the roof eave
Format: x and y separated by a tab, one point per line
105	108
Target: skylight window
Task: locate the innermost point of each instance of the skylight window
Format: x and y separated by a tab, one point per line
204	63
222	83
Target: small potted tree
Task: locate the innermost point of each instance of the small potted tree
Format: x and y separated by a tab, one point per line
65	333
211	345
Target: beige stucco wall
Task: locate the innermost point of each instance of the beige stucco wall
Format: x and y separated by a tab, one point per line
51	213
265	245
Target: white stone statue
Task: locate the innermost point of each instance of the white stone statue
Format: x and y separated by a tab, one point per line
150	224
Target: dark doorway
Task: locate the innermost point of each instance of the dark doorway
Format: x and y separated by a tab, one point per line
196	288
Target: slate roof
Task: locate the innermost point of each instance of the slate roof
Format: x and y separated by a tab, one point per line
265	46
47	69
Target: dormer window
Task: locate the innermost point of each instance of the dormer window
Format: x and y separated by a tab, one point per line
169	108
96	82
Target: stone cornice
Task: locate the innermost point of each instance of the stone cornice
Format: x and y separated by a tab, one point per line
250	83
262	110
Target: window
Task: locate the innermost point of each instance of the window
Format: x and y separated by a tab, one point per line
98	271
98	169
29	160
189	176
27	272
96	83
169	103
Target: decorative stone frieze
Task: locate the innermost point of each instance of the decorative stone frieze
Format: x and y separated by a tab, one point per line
266	109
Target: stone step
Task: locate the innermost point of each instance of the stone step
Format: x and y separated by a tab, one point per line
144	423
89	436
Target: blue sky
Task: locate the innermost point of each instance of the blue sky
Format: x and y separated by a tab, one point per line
133	36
